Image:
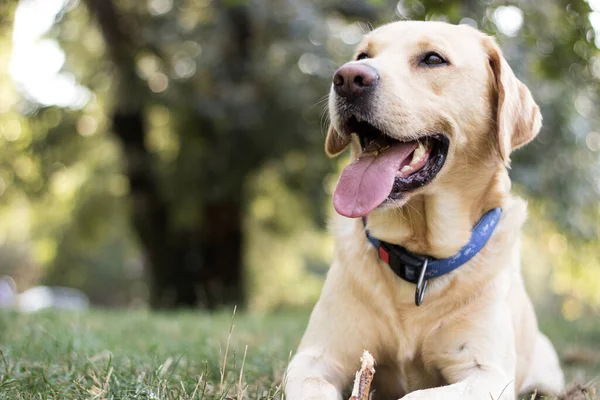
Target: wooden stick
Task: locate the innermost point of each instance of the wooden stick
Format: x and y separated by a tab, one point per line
364	377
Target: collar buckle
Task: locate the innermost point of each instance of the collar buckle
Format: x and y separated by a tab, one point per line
421	284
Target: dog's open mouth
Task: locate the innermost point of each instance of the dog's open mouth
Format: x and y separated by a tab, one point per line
386	169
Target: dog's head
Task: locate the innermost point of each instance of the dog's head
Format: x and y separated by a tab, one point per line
420	103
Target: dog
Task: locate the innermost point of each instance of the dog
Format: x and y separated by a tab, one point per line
431	113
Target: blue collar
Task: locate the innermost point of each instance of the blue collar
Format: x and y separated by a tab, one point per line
419	269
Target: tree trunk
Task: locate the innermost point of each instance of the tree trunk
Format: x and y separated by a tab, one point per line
222	253
173	283
204	267
187	267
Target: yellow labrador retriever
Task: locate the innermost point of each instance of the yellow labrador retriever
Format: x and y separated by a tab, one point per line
431	113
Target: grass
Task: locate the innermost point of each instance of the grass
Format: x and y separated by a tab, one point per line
140	355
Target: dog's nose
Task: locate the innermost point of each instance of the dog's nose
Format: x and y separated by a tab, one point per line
354	79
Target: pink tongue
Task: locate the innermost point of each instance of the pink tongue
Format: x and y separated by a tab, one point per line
368	181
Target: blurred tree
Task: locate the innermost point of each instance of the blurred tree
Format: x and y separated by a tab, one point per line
228	125
173	273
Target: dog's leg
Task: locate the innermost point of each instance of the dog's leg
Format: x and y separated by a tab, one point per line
312	377
340	329
545	374
330	351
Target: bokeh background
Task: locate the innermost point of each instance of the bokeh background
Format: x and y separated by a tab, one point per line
169	153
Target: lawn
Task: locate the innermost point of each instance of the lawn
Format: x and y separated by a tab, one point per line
141	355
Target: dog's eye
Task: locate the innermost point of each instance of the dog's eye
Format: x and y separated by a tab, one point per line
433	59
362	56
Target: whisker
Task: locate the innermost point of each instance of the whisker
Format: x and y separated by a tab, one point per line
320	101
325	118
415	210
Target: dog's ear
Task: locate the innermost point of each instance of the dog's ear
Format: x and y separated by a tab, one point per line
335	143
518	117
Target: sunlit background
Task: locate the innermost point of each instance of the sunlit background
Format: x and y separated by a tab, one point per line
172	155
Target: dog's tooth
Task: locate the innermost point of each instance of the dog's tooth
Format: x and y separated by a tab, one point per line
405	168
418	154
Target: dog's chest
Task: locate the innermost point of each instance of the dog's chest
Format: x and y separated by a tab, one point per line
408	373
404	368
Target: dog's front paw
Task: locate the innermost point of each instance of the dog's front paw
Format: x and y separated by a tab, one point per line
450	392
314	389
318	396
418	395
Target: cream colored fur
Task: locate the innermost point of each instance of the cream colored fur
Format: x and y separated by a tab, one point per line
476	334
